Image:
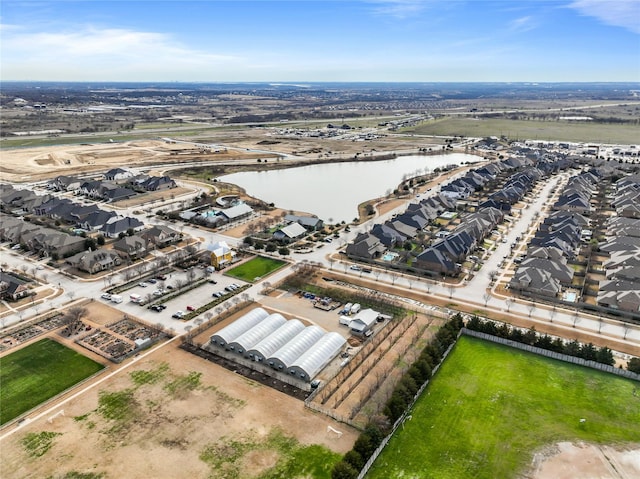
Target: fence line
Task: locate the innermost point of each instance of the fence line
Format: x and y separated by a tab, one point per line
552	354
406	415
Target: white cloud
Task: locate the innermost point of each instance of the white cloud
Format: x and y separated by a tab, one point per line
618	13
99	51
523	24
400	9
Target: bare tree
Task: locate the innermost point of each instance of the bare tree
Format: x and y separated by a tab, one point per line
376	273
531	307
509	302
208	315
71	294
493	274
576	318
625	328
486	296
451	288
394	276
552	314
600	321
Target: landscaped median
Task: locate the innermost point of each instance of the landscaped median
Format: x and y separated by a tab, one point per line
215	302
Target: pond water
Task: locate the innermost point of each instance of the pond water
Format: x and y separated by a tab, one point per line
333	191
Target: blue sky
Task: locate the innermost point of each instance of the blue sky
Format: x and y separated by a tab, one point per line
364	40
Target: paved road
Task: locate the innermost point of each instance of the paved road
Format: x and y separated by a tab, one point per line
471	293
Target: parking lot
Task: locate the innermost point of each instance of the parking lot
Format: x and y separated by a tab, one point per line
189	300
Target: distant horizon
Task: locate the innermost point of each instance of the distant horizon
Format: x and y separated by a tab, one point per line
301	84
349	41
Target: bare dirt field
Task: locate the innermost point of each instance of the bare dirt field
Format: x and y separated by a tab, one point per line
567	460
169	424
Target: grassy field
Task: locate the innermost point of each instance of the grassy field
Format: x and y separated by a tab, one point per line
530	130
255	268
491	407
38	372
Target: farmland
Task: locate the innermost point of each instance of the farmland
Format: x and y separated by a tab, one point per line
490	408
552	130
38	372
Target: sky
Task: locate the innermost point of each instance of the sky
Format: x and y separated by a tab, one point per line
321	41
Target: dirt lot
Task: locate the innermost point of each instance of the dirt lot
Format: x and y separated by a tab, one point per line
566	460
167	434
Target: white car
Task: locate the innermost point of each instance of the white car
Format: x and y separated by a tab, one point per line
158	292
355	267
106	296
143	284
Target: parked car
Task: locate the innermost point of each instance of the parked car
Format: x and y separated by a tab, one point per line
355	267
106	296
169	287
158	292
178	314
143	284
190	308
152	281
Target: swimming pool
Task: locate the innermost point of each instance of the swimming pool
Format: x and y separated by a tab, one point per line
389	256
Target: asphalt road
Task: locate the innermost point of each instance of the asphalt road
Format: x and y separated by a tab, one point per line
471	293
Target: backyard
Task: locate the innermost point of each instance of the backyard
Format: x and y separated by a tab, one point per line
490	408
38	372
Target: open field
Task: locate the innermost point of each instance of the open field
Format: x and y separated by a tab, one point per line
172	414
38	372
257	267
490	408
531	130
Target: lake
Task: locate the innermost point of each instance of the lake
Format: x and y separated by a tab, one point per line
333	191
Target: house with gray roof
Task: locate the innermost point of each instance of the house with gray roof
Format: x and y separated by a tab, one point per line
290	232
12	288
133	246
95	261
365	245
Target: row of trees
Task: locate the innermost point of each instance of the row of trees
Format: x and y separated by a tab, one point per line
572	348
401	399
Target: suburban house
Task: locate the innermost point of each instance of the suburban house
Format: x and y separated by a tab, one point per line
132	246
118	174
118	194
387	235
94	261
365	245
49	242
12	288
96	220
158	183
117	225
536	281
432	259
309	222
161	236
221	254
65	183
290	232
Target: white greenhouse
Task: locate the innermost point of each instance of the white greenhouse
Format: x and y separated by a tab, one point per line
239	326
312	361
254	335
275	340
303	341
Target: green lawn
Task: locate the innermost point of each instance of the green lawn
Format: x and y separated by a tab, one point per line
490	407
38	372
255	268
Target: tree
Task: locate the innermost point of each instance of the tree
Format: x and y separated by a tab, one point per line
532	308
605	356
633	365
486	296
625	328
343	470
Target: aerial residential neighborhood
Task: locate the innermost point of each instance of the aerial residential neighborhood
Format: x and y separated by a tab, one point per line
320	240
